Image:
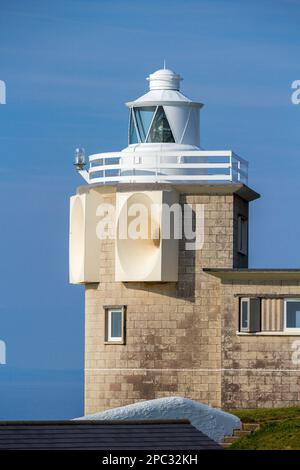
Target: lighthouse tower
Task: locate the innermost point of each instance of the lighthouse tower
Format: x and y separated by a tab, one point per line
153	316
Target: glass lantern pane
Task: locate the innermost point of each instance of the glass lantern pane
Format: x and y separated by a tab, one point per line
133	137
143	118
160	130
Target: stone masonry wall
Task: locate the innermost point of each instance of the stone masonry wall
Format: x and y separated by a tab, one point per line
257	369
173	330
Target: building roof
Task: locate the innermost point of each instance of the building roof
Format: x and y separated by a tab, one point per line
103	435
164	87
254	274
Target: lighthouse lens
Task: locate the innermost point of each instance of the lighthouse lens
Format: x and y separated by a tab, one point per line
160	130
149	124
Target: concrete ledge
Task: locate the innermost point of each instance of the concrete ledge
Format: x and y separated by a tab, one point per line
254	274
225	189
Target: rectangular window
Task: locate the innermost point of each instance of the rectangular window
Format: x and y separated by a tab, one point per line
250	316
244	314
292	314
242	235
115	325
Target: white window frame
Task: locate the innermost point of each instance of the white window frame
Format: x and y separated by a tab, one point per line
242	232
285	328
109	315
108	338
247	300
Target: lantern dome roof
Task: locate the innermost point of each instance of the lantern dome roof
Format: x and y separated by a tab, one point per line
164	86
164	79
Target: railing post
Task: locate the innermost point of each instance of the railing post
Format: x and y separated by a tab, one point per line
230	168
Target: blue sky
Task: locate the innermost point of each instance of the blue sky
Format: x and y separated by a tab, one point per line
69	65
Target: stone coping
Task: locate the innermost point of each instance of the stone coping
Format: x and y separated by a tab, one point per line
254	274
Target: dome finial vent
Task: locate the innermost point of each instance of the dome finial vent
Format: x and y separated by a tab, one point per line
164	79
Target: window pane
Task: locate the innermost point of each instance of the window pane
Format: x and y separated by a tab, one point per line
133	138
143	118
160	130
116	324
293	314
242	235
244	319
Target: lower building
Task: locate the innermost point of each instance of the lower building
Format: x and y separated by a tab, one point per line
222	334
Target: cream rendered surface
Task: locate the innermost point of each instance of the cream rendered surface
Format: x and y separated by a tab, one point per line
146	259
84	245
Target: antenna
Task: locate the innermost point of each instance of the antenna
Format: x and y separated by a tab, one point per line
164	64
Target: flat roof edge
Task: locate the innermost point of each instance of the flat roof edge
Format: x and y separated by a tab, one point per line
265	274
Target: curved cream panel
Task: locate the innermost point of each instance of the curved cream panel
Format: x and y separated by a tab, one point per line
146	257
147	249
84	245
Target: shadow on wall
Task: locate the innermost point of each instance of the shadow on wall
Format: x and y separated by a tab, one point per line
184	288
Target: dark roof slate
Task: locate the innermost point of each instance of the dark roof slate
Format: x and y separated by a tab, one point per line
103	435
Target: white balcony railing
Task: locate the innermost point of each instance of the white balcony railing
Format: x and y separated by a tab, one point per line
177	167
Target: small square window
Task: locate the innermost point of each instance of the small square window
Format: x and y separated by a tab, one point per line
115	325
292	314
242	235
